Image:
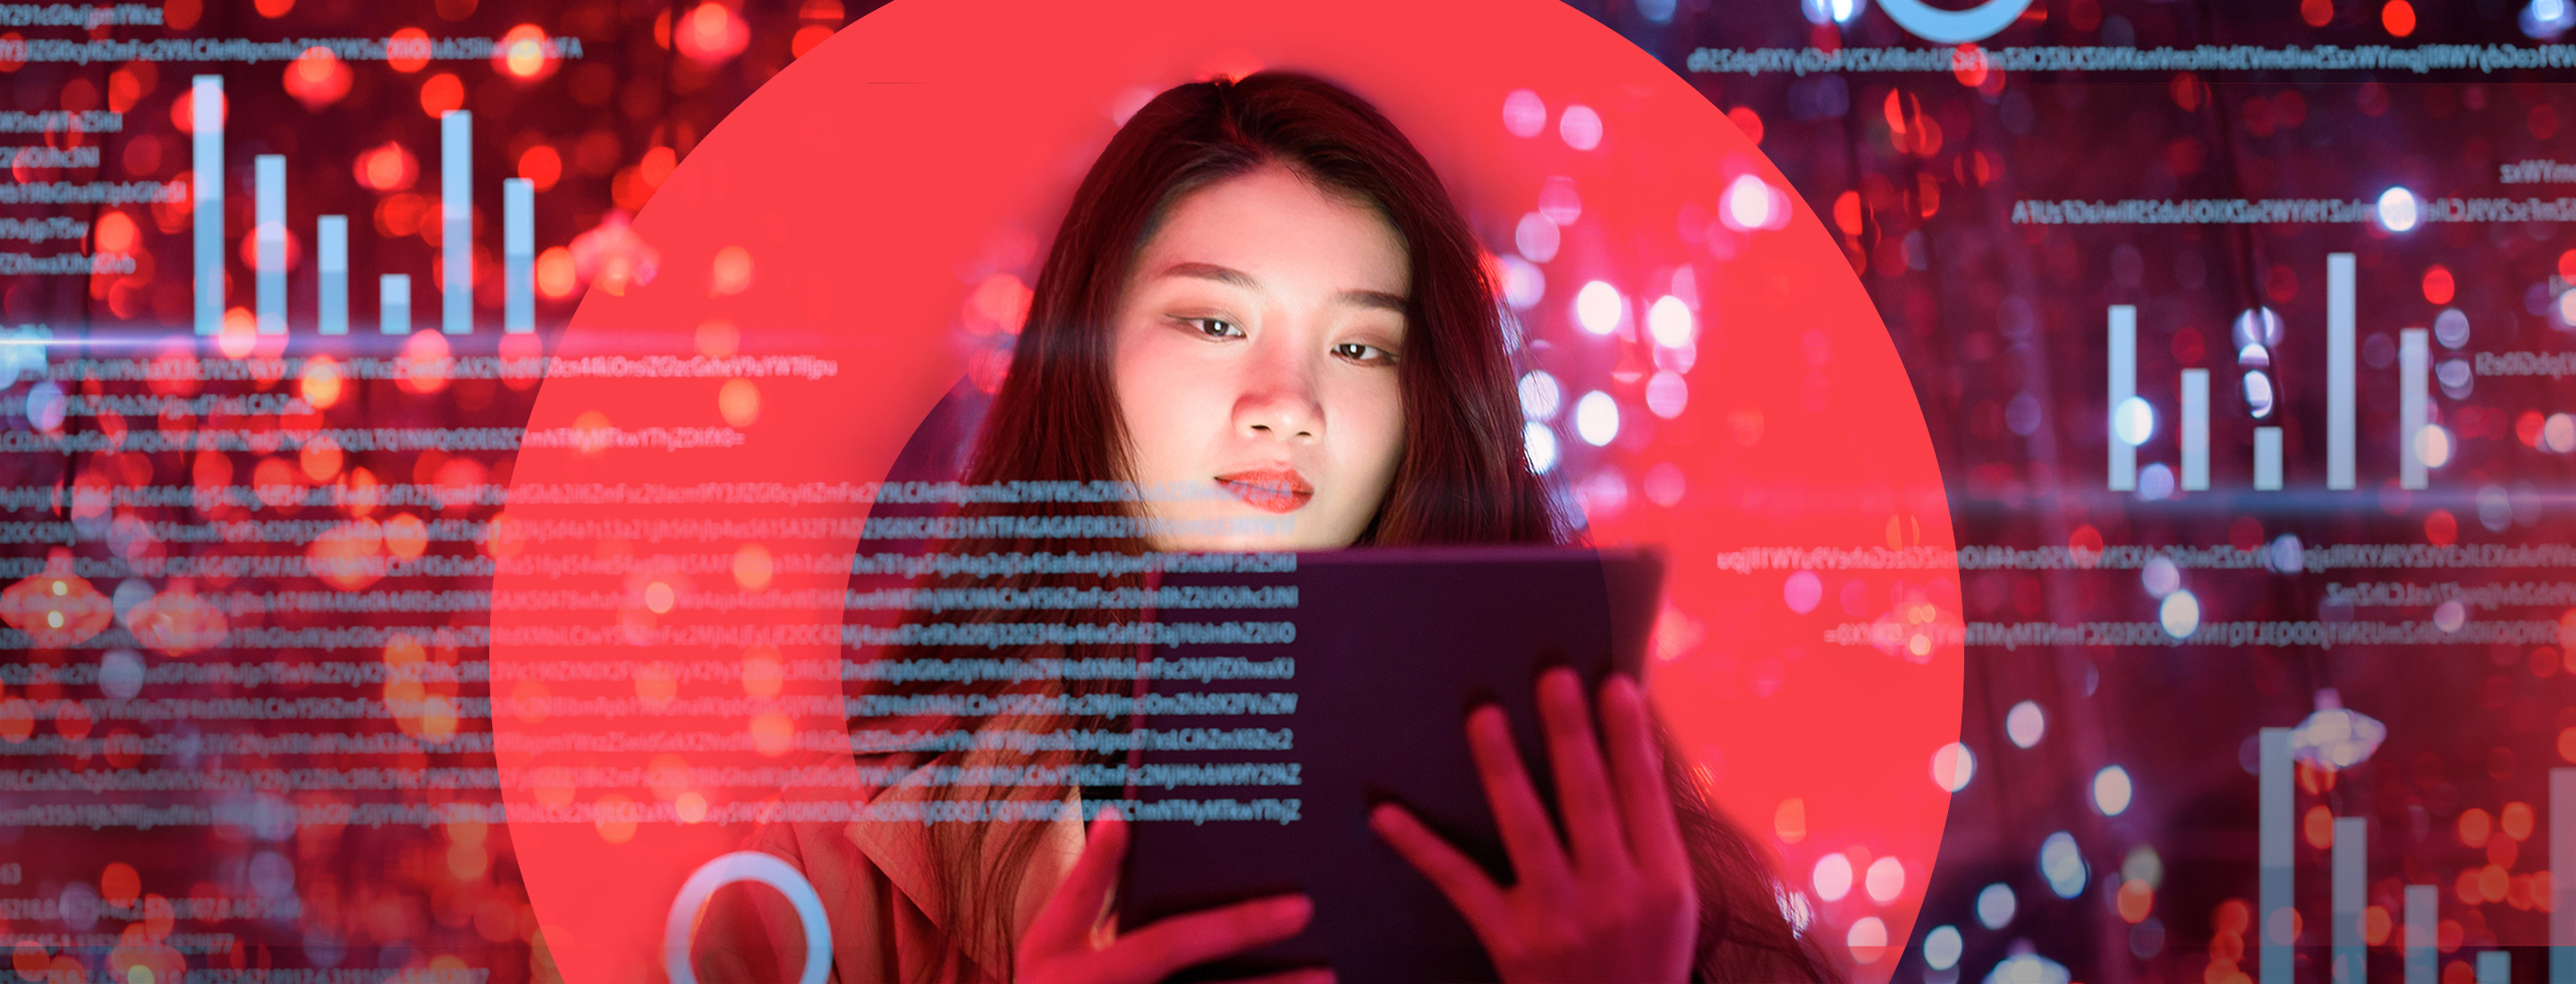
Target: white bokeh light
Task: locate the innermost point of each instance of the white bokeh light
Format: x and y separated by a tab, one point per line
1580	126
2133	421
1596	418
1536	238
1541	398
1524	285
2111	791
2433	446
1524	113
2062	863
1598	307
2397	211
1942	947
1667	394
1539	443
2160	577
1833	877
2180	614
1747	204
1885	880
1995	905
1952	766
1670	321
1867	938
2025	724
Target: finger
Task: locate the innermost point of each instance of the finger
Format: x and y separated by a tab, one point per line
1583	795
1457	876
1198	937
1637	766
1065	922
1528	835
1302	975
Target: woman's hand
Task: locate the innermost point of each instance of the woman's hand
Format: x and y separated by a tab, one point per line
1068	944
1622	908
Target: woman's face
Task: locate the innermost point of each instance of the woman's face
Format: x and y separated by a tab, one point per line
1255	351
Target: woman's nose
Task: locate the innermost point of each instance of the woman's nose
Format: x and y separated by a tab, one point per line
1278	400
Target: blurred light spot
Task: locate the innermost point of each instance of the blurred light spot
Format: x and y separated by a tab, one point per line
2397	209
1539	443
2029	968
1952	766
1596	418
2180	614
2062	863
2336	737
1822	12
2025	724
1832	877
1942	947
2111	791
1667	394
2433	446
2022	415
1659	11
2258	326
1524	113
2450	615
1790	820
1559	200
1747	204
1540	397
1580	127
2258	394
2155	482
1995	906
2143	864
1665	485
1598	307
120	673
2558	433
659	597
2133	421
1523	283
2451	328
739	401
1803	591
1536	238
1867	939
1885	880
1670	321
557	276
1794	907
46	405
2159	576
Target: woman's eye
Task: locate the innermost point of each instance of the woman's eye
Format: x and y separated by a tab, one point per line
1359	352
1214	327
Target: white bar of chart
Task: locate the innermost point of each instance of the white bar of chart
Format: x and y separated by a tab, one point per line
519	255
393	304
269	235
2351	892
206	129
2273	913
2422	923
2124	385
2195	430
2342	395
456	219
2267	459
2414	403
331	249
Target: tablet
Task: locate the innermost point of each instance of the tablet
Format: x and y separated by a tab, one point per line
1391	648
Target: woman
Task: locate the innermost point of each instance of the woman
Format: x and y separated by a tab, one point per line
1262	306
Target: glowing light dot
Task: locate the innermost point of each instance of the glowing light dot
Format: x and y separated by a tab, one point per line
2558	433
1747	203
1867	939
1667	394
1539	443
1885	880
1524	113
1670	321
2111	791
1540	396
2180	614
2025	724
1942	947
2397	209
2433	446
1536	238
1995	906
1952	766
2133	421
659	597
1832	877
1523	283
1580	127
1597	307
1596	418
2160	577
2062	863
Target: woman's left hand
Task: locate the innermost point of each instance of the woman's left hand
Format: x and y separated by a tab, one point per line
1622	907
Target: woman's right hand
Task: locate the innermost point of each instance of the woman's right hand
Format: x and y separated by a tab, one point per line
1068	942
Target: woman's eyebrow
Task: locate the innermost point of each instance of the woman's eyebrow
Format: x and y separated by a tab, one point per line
1232	277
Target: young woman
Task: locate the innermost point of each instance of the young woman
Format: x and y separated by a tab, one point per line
1263	307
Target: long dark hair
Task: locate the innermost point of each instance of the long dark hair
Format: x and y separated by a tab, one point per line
1463	477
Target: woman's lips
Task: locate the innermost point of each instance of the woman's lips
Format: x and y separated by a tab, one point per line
1277	490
